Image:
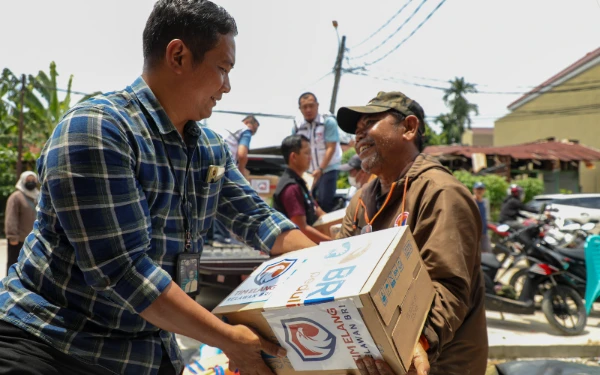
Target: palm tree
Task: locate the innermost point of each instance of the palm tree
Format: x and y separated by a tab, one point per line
461	109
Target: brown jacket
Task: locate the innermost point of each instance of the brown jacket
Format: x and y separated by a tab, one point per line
19	217
446	226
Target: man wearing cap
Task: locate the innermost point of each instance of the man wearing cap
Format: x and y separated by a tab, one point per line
357	178
416	190
484	209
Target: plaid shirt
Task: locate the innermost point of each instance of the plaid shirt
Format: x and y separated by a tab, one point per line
110	226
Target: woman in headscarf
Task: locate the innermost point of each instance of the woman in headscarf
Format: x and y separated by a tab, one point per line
20	214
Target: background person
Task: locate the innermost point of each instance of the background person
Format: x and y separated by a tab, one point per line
292	197
357	178
510	212
238	142
326	152
20	215
484	210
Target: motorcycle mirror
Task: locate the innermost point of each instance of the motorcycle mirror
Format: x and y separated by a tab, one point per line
503	228
572	227
588	226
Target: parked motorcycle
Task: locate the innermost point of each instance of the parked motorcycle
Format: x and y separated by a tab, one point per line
561	304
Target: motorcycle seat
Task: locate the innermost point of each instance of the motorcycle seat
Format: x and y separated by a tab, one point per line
578	253
489	259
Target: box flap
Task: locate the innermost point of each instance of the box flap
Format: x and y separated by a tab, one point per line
265	279
330	217
334	270
413	313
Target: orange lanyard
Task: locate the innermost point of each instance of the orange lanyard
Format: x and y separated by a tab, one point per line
387	199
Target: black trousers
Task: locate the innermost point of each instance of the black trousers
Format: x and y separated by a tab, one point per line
13	254
24	354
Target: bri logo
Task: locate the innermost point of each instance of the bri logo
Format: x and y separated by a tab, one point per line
334	253
273	271
309	339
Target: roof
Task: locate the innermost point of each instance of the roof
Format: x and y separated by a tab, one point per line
587	61
540	150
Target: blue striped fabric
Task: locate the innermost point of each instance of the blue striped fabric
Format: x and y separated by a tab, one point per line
110	226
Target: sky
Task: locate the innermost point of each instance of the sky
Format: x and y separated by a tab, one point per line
286	47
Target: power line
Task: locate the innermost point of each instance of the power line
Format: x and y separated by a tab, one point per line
409	36
484	92
394	33
540	86
385	24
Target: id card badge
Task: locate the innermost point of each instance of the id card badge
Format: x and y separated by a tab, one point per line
187	273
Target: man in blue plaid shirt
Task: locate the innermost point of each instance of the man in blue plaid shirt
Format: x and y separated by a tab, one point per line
129	183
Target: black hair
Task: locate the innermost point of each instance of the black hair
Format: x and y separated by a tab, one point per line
198	23
417	110
306	95
292	143
252	119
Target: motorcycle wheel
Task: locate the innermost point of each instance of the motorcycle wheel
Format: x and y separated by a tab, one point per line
564	310
517	280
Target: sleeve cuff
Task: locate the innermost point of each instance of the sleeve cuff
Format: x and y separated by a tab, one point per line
432	339
270	229
142	285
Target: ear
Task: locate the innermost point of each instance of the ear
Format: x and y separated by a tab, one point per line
411	128
177	56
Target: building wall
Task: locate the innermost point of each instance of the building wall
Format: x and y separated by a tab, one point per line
554	115
471	137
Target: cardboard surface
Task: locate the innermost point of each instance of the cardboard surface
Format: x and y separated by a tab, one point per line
264	185
365	295
325	222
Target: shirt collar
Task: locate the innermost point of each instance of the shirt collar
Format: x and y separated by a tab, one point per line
152	106
319	120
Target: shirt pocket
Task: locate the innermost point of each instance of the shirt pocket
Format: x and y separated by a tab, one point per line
207	201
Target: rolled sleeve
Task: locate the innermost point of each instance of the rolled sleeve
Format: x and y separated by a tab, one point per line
245	139
244	213
90	175
142	284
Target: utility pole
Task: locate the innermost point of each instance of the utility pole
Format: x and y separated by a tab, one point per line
338	70
20	145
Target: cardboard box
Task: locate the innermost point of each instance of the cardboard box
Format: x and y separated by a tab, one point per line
365	295
264	185
325	222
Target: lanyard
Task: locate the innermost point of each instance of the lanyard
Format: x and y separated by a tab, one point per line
369	223
185	205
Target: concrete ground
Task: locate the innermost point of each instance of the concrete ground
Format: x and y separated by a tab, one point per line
530	336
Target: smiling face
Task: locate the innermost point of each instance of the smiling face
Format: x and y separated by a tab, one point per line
378	141
204	83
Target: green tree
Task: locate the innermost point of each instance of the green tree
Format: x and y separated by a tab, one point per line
342	181
454	123
431	137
